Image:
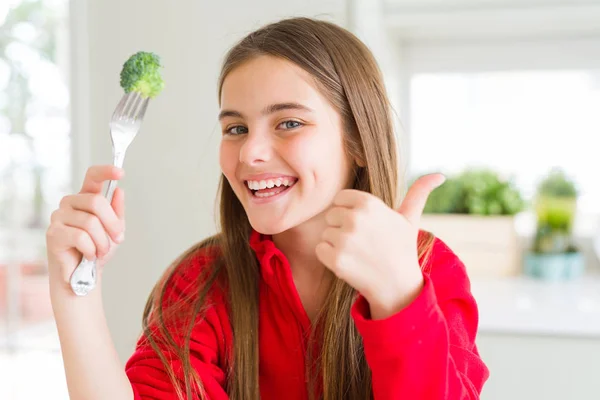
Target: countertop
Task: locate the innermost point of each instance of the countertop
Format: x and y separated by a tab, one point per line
523	305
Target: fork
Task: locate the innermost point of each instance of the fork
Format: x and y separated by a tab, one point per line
124	126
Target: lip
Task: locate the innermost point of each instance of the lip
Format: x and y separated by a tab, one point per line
270	199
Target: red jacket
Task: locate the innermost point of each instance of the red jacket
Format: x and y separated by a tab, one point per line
426	351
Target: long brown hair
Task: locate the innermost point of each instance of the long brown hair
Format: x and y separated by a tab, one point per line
346	73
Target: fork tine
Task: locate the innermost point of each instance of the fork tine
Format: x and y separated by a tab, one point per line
134	107
130	105
119	109
142	110
127	105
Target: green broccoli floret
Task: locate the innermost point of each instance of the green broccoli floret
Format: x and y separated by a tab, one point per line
141	73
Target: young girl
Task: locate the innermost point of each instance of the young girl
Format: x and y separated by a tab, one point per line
319	283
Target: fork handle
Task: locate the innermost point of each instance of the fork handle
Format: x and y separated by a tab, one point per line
112	184
83	279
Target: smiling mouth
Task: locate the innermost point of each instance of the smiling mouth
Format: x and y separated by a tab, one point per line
271	187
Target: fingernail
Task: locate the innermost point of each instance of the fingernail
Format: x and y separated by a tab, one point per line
120	237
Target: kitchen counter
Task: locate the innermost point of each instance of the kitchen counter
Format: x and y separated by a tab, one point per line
522	305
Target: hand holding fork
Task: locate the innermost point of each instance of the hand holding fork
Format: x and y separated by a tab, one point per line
83	225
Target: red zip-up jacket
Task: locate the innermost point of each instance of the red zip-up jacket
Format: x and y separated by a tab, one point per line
425	351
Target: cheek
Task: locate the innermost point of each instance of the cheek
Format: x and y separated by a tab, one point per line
305	156
323	158
228	158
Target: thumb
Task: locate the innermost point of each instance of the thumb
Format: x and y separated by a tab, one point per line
416	198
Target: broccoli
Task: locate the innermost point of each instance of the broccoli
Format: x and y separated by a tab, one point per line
141	73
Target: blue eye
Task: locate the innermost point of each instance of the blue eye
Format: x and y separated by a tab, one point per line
236	130
290	124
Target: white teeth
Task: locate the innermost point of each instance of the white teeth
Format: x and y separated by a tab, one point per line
270	183
264	194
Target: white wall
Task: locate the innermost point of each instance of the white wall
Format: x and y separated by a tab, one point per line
171	168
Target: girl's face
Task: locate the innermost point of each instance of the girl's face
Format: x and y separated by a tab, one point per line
282	149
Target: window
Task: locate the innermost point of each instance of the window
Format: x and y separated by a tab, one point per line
34	175
520	105
519	122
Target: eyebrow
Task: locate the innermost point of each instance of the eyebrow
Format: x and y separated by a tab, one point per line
270	109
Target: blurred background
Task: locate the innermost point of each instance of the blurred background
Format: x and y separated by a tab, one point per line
501	95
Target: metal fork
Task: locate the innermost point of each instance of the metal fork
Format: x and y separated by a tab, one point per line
124	126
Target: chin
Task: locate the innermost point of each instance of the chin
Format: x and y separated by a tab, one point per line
267	226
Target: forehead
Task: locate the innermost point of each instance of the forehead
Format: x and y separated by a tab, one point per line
268	80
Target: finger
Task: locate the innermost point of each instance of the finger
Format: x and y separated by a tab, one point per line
98	205
118	203
351	198
416	198
96	176
336	216
326	254
336	261
333	236
80	240
91	225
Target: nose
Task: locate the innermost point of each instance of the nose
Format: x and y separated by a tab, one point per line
257	148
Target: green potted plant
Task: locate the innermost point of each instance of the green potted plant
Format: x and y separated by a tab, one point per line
553	255
473	212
